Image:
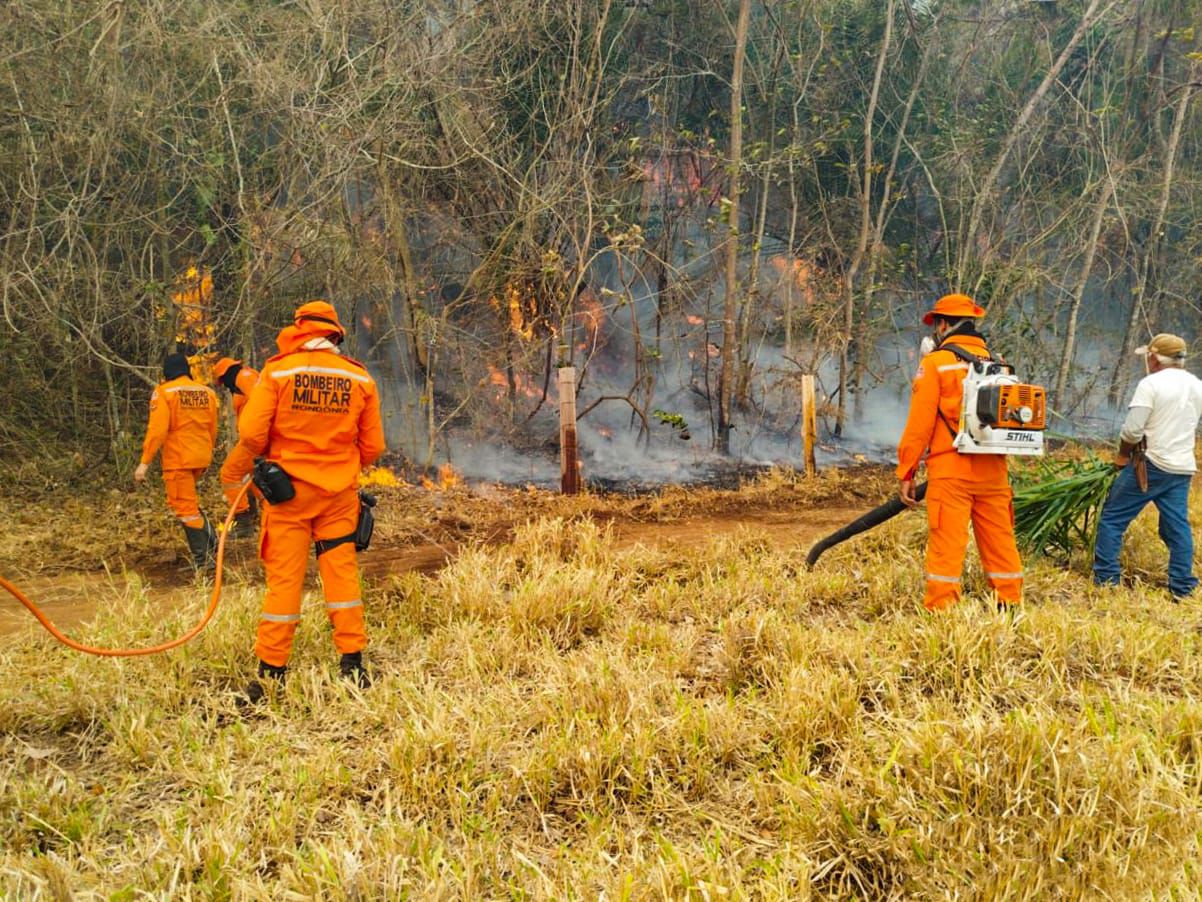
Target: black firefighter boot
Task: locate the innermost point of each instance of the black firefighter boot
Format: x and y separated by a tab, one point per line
351	667
202	542
255	690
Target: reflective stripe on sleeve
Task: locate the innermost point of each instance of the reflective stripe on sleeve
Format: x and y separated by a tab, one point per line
936	578
279	618
947	367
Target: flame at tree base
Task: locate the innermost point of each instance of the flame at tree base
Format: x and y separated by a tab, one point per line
448	478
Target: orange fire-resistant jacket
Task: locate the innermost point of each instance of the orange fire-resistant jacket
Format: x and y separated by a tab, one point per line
246	380
315	413
183	422
939	388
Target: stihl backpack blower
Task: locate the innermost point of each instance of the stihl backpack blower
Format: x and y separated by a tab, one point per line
999	413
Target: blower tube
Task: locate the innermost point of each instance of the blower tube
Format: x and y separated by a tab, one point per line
863	523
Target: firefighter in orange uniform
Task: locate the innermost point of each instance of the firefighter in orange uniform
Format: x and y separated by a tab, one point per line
960	487
316	414
238	379
183	423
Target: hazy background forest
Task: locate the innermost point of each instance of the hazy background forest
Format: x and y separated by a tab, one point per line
692	201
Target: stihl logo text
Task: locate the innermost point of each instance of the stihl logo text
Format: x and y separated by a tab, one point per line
1020	437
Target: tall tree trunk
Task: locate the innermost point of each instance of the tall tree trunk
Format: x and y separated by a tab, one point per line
790	271
849	307
1141	304
882	218
729	304
747	356
1070	335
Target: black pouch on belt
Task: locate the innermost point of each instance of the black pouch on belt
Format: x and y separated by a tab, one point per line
273	483
363	529
367	521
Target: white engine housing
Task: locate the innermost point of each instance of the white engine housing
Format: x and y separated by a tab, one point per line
975	437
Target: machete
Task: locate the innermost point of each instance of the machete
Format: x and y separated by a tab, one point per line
864	522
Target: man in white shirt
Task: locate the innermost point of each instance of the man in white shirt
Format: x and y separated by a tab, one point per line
1164	414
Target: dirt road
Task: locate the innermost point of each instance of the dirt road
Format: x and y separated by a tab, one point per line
70	599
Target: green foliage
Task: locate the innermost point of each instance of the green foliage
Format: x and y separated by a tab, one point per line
1056	506
675	420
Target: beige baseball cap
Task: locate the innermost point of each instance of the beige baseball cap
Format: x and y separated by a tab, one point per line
1165	345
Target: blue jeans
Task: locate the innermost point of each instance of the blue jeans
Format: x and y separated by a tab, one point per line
1170	493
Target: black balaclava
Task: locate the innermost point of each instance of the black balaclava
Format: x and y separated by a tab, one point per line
176	365
230	378
966	326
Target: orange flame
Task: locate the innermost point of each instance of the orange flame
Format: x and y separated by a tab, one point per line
448	478
801	273
519	321
677	177
522	384
193	297
590	317
497	378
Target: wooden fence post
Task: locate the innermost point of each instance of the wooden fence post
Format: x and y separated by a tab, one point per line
809	423
569	469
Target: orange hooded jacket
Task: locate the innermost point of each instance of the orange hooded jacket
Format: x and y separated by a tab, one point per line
314	412
246	380
938	388
183	422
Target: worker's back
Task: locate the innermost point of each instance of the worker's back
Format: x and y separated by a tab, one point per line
1175	397
319	416
935	416
188	430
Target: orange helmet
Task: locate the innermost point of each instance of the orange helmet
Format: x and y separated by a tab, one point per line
319	312
954	306
221	367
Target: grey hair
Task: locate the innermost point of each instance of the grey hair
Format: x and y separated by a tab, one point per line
1170	361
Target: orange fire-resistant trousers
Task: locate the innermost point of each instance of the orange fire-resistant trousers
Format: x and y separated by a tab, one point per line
289	531
237	467
951	505
181	496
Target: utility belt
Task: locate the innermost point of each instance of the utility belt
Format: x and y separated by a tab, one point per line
276	487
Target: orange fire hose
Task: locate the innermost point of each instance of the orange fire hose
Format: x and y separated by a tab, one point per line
151	649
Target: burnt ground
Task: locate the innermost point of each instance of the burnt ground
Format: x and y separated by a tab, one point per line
73	562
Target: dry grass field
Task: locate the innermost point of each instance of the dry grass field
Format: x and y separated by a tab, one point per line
610	698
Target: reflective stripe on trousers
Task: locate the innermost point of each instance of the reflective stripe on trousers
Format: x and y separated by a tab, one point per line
280	618
936	578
